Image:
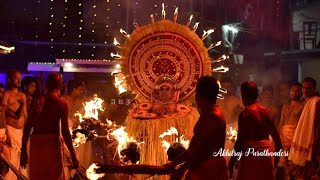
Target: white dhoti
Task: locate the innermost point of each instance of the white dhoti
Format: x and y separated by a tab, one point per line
16	143
84	154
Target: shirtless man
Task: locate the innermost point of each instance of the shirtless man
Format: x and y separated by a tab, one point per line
76	89
28	87
74	99
208	139
14	100
3	146
305	147
290	115
255	126
45	116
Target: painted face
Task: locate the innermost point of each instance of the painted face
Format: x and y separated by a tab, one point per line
16	80
31	88
308	89
295	92
166	92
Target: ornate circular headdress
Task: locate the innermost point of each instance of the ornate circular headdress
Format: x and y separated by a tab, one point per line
164	47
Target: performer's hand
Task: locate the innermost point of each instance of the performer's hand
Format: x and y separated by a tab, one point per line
177	174
169	166
23	158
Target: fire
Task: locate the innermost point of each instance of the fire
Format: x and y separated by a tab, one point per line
124	33
119	81
195	27
91	109
80	139
91	174
232	134
117	56
214	45
165	144
123	139
163	12
181	140
171	131
115	42
221	69
206	33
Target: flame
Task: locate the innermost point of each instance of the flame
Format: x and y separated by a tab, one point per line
119	81
189	20
117	56
91	173
232	134
175	15
123	139
207	33
80	139
214	45
124	33
115	42
222	58
183	142
195	27
165	144
93	107
170	131
176	11
221	69
163	12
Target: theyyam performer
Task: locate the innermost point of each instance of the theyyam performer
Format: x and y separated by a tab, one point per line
161	63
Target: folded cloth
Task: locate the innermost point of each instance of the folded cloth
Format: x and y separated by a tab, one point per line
301	148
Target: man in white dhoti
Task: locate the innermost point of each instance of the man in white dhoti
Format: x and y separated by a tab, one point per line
290	115
15	101
305	147
74	100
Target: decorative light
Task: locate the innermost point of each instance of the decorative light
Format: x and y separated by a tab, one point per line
78	52
68	65
94	6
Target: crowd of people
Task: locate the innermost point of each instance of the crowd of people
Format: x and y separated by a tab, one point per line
35	136
276	139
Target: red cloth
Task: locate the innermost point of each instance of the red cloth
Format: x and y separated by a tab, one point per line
45	157
213	169
257	167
